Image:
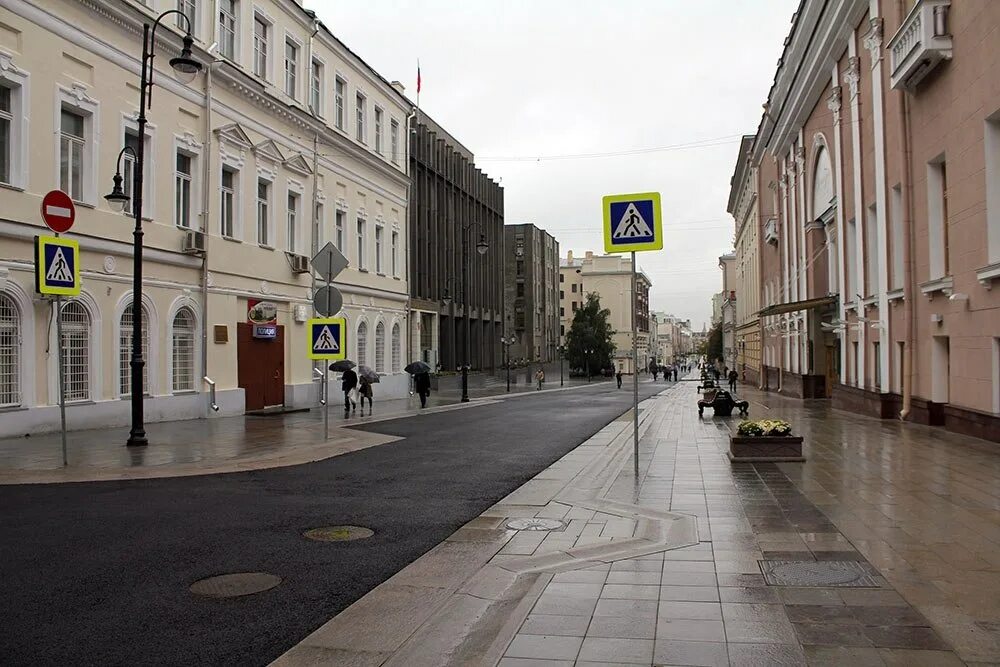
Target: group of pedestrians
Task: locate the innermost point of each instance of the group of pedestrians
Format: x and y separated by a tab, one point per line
356	389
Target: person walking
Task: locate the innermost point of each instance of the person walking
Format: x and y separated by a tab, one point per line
618	377
348	383
422	385
365	390
539	378
733	376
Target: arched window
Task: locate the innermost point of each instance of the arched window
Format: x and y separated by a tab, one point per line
380	348
396	353
10	353
362	344
125	352
182	347
76	351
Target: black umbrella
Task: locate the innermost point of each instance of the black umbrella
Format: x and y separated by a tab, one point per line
417	367
367	373
342	365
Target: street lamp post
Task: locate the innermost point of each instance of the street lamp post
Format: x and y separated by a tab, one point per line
562	355
186	69
482	245
587	353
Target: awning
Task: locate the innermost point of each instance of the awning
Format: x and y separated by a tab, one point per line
795	306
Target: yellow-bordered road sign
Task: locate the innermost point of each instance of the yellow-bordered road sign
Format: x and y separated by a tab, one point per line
57	266
633	222
327	338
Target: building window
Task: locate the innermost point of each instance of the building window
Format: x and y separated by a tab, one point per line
263	213
850	259
900	352
378	249
261	40
394	140
361	113
394	254
397	354
378	130
125	351
573	288
71	149
189	9
871	250
562	278
182	191
76	351
338	96
519	265
182	350
520	290
227	28
315	87
291	67
574	306
361	244
940	369
362	344
293	212
937	217
6	138
128	170
228	214
876	365
339	230
10	353
897	232
992	147
562	294
380	348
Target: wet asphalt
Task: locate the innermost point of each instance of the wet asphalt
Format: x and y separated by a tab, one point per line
98	573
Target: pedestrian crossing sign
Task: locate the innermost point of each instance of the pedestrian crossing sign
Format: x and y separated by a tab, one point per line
57	266
632	222
328	338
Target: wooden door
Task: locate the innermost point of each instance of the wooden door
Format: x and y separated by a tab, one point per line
273	369
260	367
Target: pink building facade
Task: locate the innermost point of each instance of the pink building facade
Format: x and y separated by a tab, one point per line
878	159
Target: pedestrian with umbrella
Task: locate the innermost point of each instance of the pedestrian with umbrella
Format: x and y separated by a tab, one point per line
368	377
348	384
421	380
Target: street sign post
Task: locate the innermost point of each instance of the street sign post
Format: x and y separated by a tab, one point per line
633	223
327	301
58	211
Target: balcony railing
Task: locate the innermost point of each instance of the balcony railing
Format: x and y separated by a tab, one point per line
920	43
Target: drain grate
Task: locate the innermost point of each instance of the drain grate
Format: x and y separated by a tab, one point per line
534	523
832	573
235	585
339	533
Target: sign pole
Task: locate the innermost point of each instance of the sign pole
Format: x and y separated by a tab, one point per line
635	372
62	376
326	372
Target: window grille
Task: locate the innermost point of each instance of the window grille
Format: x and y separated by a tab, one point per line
363	344
396	352
10	353
76	351
183	350
380	348
125	352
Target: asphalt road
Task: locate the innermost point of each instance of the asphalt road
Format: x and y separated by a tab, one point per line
98	573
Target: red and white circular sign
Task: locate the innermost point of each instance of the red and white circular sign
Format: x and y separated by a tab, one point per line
58	211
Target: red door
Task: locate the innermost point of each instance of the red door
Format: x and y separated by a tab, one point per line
260	367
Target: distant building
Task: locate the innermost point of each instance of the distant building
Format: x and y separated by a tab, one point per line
728	309
742	206
531	292
610	276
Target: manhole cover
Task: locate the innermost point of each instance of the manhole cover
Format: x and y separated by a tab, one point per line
840	573
338	533
534	524
234	585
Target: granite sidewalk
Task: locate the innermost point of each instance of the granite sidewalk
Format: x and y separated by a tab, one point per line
670	569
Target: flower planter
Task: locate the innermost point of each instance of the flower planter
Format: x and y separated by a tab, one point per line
764	448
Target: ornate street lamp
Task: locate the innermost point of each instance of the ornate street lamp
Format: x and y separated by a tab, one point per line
507	342
481	247
562	355
185	68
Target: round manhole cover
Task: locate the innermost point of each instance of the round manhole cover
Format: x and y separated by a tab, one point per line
534	524
820	573
234	585
338	533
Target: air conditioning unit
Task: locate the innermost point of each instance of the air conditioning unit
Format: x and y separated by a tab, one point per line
194	242
300	263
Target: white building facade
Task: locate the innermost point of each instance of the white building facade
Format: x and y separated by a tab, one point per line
285	141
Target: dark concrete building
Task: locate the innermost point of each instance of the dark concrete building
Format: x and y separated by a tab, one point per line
454	208
531	292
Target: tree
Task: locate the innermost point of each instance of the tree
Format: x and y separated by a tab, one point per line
590	331
715	343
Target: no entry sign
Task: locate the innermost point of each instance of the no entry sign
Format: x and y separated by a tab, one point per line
58	211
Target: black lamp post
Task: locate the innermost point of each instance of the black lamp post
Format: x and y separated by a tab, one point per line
482	245
507	342
587	353
562	355
186	69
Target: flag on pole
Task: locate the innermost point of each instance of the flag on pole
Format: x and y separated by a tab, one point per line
418	77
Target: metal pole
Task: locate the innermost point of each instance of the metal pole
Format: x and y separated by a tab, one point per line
561	355
635	369
467	345
137	434
62	377
326	371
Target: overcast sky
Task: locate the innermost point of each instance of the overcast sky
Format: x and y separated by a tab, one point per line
525	83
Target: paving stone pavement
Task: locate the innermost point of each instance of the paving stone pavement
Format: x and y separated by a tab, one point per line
667	569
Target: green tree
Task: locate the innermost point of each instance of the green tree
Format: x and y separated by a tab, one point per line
590	331
714	343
